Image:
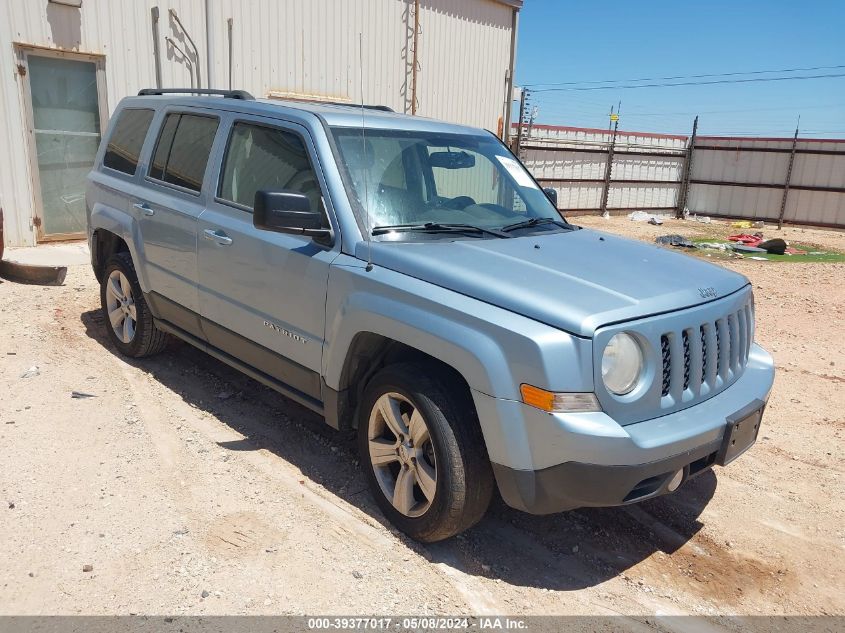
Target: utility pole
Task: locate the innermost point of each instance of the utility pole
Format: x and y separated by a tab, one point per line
522	97
534	111
609	167
788	176
683	193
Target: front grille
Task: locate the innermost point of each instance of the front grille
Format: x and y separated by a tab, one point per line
708	355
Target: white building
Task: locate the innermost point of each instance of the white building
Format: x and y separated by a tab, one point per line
67	63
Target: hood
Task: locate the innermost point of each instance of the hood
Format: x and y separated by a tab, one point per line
577	281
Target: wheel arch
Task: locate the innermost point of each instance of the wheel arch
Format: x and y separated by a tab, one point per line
114	231
370	352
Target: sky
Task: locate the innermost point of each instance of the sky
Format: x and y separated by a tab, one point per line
569	41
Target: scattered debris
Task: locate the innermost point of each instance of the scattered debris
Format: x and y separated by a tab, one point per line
741	224
205	594
32	371
79	395
33	274
745	248
357	574
775	246
642	216
11	505
719	246
674	240
87	568
703	219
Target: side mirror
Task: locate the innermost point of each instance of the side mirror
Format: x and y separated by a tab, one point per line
551	194
287	212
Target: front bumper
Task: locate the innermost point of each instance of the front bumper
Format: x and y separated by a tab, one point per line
548	463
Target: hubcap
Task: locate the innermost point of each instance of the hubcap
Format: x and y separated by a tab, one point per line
120	306
402	454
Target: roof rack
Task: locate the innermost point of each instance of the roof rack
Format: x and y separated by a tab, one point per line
231	94
383	108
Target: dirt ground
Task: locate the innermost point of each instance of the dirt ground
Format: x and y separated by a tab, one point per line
191	489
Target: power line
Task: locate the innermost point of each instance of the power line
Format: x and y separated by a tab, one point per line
731	74
687	83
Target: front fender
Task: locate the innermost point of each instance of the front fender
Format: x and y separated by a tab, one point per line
493	349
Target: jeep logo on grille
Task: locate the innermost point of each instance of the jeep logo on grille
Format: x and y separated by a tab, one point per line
708	293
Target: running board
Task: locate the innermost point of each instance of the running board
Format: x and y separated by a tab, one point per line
286	390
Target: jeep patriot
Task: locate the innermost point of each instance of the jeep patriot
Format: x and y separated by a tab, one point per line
408	278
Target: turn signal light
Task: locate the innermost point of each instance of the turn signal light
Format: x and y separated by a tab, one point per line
554	402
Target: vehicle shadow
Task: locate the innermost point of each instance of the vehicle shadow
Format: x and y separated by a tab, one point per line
567	551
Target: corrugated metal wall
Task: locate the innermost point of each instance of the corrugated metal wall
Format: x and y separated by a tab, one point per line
818	164
573	161
279	46
647	170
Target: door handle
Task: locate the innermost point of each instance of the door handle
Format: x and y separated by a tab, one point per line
218	236
144	207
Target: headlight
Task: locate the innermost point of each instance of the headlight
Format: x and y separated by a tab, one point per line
621	364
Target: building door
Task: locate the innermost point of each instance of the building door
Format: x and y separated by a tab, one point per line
65	103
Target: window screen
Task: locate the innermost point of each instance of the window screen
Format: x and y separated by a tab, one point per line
183	148
260	157
125	142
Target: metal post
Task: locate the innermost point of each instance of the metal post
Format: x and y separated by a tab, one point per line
231	53
518	146
156	46
191	41
505	107
609	167
415	62
683	192
788	178
209	45
509	96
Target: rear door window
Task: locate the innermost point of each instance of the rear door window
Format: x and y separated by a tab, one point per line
126	140
183	148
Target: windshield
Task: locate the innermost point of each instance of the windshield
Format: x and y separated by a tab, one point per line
398	178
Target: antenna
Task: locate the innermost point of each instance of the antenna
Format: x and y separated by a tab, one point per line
364	157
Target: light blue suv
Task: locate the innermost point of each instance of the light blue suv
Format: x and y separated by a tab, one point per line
409	278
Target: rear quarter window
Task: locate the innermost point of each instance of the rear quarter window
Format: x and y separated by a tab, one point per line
125	142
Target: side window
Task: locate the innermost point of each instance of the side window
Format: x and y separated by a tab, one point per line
261	157
182	151
126	140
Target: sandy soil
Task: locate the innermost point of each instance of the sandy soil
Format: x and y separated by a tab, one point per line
190	489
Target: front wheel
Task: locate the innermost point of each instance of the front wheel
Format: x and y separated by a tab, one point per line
423	452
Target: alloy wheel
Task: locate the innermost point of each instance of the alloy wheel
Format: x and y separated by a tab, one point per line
120	305
402	454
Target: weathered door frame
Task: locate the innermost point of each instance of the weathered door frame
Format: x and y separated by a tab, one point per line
22	52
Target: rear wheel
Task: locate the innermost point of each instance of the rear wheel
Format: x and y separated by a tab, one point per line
129	322
423	452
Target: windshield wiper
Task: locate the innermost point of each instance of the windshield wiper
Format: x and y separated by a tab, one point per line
435	227
533	222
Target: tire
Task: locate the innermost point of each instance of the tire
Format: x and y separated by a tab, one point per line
142	337
451	449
